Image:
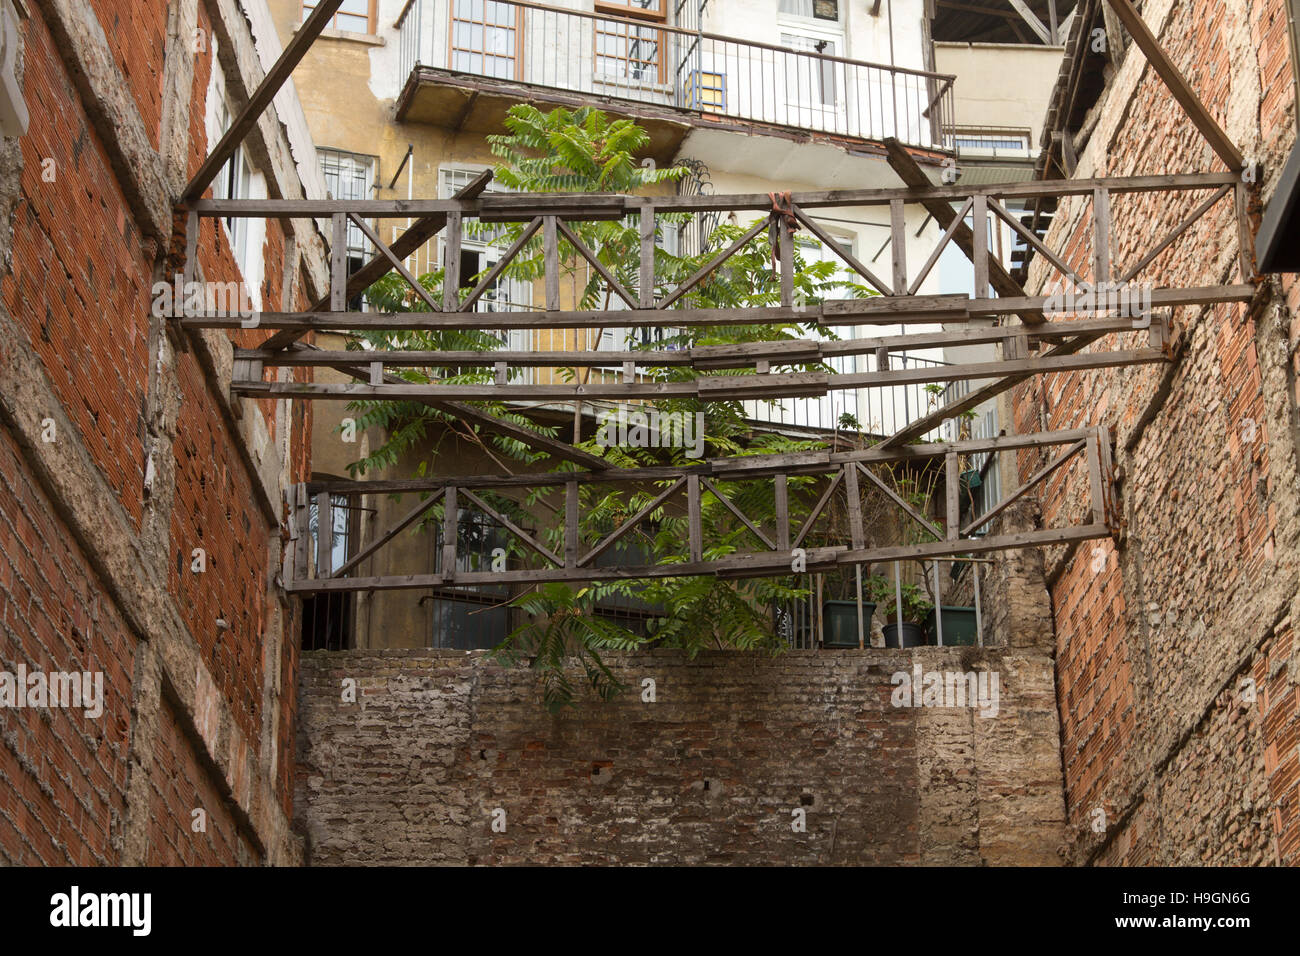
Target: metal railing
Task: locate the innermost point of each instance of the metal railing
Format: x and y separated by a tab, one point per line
879	410
649	62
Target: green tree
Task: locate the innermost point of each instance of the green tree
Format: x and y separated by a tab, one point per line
583	151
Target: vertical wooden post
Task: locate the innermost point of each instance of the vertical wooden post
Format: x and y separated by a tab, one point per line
898	599
862	637
952	480
451	263
786	241
898	244
1245	237
301	551
694	517
571	502
1101	239
339	263
450	532
854	501
980	257
1093	450
551	254
647	292
324	536
782	493
192	226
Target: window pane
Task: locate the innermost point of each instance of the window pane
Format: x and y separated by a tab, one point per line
468	626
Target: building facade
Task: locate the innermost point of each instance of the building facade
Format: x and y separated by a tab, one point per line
140	505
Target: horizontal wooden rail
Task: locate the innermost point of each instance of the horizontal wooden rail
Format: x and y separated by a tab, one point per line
697	483
713	388
876	310
599	206
710	357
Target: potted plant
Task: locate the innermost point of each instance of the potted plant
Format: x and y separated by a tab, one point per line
840	612
959	627
915	607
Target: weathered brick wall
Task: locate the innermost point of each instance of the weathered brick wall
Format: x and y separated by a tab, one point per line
707	773
179	786
149	459
63	775
1169	757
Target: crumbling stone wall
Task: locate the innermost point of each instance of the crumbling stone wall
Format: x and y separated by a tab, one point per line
1177	666
708	772
122	451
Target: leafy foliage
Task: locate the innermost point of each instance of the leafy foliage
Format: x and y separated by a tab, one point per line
583	151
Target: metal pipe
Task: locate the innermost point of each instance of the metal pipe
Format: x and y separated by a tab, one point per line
410	149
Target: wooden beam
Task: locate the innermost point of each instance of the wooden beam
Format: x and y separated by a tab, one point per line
744	467
911	173
756	387
877	310
1031	19
562	204
708	357
302	40
1178	85
420	232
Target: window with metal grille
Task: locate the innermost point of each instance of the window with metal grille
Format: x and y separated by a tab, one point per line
350	176
477	618
327	618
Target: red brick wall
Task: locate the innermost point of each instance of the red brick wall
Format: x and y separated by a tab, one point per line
62	774
139	34
1148	632
80	291
81	274
215	510
178	787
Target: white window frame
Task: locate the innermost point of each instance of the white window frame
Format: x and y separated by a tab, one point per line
238	179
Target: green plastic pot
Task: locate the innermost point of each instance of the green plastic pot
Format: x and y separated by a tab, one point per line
840	629
959	628
913	635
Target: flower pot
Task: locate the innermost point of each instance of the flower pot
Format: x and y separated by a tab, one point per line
840	627
913	635
959	628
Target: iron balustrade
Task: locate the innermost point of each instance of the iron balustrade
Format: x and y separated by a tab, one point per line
650	62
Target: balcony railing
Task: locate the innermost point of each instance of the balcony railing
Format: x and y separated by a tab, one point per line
879	410
649	62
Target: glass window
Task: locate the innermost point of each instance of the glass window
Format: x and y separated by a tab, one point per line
810	81
350	176
480	620
355	16
484	38
813	9
469	625
235	178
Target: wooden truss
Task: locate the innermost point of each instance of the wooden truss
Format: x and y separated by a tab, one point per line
1037	344
780	547
897	299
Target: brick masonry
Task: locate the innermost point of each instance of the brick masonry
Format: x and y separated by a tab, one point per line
148	459
708	773
1178	669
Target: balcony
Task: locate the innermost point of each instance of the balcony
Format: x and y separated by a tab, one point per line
465	61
